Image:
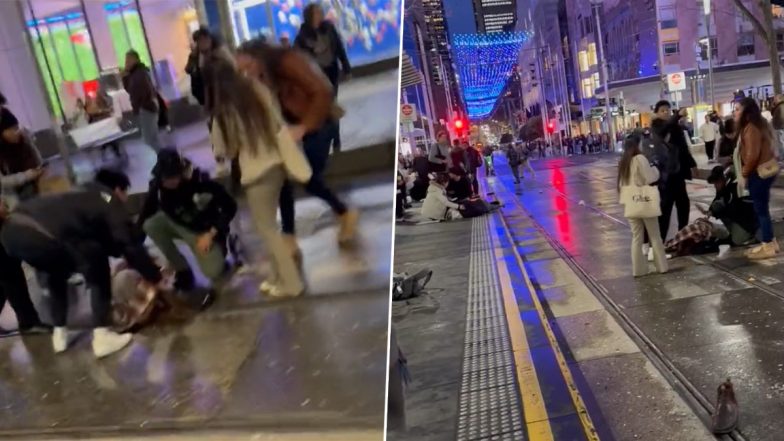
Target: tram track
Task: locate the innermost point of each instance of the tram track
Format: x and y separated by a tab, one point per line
699	403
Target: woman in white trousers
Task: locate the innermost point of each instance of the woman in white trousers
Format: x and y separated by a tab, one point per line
634	170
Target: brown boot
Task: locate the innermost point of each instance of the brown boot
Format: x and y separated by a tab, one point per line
726	413
348	227
764	251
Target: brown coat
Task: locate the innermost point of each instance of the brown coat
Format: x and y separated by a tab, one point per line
755	149
304	92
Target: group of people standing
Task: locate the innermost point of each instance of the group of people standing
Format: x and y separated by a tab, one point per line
662	159
263	101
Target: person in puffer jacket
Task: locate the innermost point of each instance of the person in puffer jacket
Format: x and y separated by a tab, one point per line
437	206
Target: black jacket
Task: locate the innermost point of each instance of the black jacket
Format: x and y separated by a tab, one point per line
138	84
306	40
460	189
198	204
193	69
727	205
92	218
677	138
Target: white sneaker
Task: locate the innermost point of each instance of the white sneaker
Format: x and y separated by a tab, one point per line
106	342
276	292
266	287
723	250
61	339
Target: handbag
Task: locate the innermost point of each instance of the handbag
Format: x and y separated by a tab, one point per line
641	202
769	168
294	161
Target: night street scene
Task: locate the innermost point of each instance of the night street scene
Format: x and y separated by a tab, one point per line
196	218
588	203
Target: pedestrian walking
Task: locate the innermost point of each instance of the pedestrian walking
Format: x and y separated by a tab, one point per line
248	125
641	205
758	165
305	98
319	38
144	98
513	158
709	132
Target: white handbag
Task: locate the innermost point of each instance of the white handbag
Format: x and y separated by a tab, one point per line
640	202
294	160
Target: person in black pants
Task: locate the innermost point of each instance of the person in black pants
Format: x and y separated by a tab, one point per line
13	287
77	232
666	126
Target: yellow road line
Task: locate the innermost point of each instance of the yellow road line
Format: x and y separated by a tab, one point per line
536	419
582	411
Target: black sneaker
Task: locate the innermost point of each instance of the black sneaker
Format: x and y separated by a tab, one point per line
184	280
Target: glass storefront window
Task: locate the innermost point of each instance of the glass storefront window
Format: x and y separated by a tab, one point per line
370	28
63	50
125	25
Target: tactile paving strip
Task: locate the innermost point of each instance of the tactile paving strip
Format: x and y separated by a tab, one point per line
489	407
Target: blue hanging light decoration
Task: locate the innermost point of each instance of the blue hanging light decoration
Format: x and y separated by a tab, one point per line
485	62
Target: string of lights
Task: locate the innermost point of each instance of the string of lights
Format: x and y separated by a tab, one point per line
485	62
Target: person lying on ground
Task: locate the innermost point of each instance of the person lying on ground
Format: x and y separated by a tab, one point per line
183	203
75	233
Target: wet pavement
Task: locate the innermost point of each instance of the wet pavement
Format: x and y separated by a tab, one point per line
316	363
360	97
711	319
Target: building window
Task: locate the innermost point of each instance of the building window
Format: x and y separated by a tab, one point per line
669	19
592	59
588	26
587	88
746	44
780	41
595	80
582	58
671	48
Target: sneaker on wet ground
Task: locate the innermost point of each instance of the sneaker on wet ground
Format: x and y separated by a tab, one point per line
106	342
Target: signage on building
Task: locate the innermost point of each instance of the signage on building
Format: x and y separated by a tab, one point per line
676	81
408	113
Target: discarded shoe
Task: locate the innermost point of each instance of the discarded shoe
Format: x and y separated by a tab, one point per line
726	413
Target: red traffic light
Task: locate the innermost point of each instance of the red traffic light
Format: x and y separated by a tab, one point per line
459	124
550	127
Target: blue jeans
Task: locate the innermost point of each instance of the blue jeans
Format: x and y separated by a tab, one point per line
316	146
759	190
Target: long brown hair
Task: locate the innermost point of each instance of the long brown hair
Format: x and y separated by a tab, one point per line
237	105
752	115
631	148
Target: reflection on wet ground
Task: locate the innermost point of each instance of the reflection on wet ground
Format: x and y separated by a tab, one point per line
712	324
317	362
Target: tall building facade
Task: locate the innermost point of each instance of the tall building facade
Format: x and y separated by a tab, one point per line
495	15
646	39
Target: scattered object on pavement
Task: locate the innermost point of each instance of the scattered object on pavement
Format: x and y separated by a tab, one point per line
405	286
726	413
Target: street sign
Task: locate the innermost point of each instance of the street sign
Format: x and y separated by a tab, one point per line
676	81
408	113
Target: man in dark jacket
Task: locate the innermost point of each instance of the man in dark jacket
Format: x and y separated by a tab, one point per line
737	214
205	44
76	232
183	203
666	128
320	39
144	98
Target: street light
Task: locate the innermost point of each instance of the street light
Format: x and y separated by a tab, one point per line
706	5
599	42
